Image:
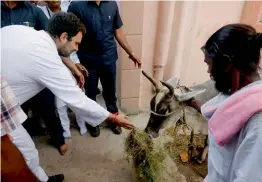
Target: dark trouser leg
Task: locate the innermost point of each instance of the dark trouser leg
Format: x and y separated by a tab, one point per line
31	124
91	92
47	110
44	105
108	82
91	84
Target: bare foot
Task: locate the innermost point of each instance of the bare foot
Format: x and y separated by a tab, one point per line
63	149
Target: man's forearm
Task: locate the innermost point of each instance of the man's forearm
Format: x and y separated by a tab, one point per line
121	39
110	118
68	62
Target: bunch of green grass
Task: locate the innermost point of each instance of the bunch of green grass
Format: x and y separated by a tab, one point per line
147	158
178	145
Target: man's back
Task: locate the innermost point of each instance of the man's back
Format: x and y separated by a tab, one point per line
26	53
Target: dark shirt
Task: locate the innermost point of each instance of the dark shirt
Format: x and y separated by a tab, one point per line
24	13
98	44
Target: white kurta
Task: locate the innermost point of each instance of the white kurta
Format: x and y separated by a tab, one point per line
30	62
61	106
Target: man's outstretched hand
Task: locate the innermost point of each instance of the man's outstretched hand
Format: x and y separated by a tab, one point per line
122	122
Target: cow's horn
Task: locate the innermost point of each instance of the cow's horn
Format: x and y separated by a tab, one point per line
170	87
152	80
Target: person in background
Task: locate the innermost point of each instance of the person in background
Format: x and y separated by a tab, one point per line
26	13
233	55
50	9
98	51
34	2
13	134
43	68
22	13
41	3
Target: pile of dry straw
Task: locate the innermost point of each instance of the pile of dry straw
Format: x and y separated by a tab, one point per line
147	157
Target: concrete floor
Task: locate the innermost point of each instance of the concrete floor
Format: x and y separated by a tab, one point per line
91	159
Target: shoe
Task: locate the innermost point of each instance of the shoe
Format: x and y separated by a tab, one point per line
116	129
56	178
94	131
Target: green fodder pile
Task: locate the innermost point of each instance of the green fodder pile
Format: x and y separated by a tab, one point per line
178	145
147	158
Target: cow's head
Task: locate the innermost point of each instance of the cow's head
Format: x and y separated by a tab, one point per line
167	104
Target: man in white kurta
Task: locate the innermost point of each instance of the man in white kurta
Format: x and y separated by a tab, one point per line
61	106
30	62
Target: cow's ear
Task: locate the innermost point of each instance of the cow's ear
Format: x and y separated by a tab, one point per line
173	81
189	95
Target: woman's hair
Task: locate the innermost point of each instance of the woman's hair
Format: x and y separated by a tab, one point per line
234	49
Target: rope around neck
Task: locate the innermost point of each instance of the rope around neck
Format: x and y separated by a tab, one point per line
163	115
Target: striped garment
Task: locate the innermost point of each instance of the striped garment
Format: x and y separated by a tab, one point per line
12	116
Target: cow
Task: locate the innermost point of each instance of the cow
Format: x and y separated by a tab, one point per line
169	107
